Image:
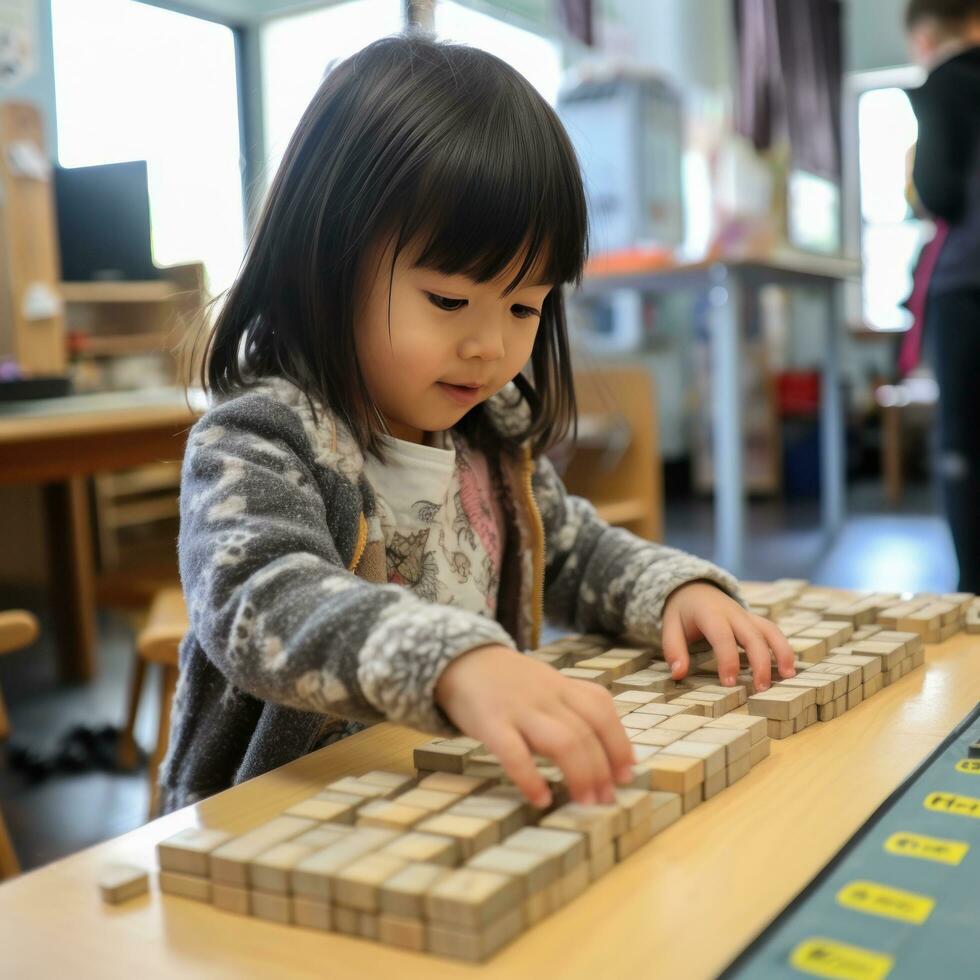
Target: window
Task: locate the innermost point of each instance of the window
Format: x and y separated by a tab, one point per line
135	82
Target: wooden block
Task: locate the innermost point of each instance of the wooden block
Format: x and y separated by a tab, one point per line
395	782
890	654
474	946
616	667
568	846
828	712
655	737
311	914
682	723
390	813
451	782
346	798
838	683
510	815
311	877
653	681
599	823
853	672
807	717
713	756
706	705
419	848
601	861
272	907
352	786
735	742
630	842
395	930
713	785
823	686
472	833
662	710
323	835
866	632
759	751
186	886
435	755
270	871
120	882
229	861
632	697
636	804
357	885
509	791
326	811
675	774
855	697
949	630
873	686
347	921
667	809
603	678
432	800
739	768
534	870
973	618
403	892
917	659
779	728
638	722
471	899
231	898
189	851
754	725
692	798
779	703
808	650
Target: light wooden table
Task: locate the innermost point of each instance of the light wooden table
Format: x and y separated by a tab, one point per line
681	907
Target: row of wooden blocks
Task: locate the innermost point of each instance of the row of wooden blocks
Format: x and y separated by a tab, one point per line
463	880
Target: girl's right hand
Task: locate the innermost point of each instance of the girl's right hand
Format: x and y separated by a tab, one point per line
519	707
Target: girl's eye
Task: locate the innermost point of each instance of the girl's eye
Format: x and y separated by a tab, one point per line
524	312
445	303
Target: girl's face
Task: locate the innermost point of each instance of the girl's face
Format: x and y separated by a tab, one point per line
452	344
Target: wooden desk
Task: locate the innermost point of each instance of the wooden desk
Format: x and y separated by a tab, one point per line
59	442
683	906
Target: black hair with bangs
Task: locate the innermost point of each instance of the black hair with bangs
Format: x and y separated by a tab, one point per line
422	142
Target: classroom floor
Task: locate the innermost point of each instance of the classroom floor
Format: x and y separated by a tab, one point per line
904	548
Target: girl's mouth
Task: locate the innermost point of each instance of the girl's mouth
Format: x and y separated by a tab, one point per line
462	394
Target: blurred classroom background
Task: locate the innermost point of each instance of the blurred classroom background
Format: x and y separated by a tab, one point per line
737	334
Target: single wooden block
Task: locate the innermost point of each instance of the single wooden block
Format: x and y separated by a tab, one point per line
357	885
675	774
439	757
667	809
917	659
390	813
735	741
403	893
347	799
534	870
229	861
808	716
312	875
509	814
432	800
572	884
653	681
419	848
311	914
471	899
602	677
395	782
655	737
189	851
823	686
682	723
630	842
853	672
396	930
740	767
759	751
323	835
455	783
616	667
270	871
808	650
347	921
888	653
705	705
838	683
353	786
828	712
640	697
778	703
325	811
474	946
568	846
600	823
950	629
636	804
272	907
120	882
640	722
692	798
601	861
184	885
713	785
713	756
472	833
663	710
231	898
779	728
866	632
855	697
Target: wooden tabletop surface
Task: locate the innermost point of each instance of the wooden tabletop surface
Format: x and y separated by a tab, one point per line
681	907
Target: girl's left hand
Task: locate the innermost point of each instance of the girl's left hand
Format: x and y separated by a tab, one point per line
699	610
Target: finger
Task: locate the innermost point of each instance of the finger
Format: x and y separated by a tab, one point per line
756	649
675	645
717	631
509	746
564	738
595	705
783	652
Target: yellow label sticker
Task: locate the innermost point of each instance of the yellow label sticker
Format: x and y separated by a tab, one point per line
962	806
826	958
890	903
927	848
971	766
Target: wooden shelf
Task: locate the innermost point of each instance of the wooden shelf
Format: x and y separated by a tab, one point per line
121	345
152	291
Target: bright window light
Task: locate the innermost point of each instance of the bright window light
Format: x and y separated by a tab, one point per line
535	57
135	82
298	50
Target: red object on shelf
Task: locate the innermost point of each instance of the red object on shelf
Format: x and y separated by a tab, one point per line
798	392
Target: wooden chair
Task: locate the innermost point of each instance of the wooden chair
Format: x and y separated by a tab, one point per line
18	629
157	643
616	462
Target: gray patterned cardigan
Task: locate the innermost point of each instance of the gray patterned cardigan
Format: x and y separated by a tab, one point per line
295	636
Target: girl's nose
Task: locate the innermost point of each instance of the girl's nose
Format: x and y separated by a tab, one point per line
486	342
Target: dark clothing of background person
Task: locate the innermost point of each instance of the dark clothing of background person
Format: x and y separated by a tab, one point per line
946	176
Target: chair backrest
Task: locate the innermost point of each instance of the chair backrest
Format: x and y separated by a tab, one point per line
18	629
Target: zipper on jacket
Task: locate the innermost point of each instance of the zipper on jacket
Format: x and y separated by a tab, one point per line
537	554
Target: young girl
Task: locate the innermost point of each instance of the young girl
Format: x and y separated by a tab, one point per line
369	526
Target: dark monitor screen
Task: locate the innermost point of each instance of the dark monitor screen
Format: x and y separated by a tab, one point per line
104	222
